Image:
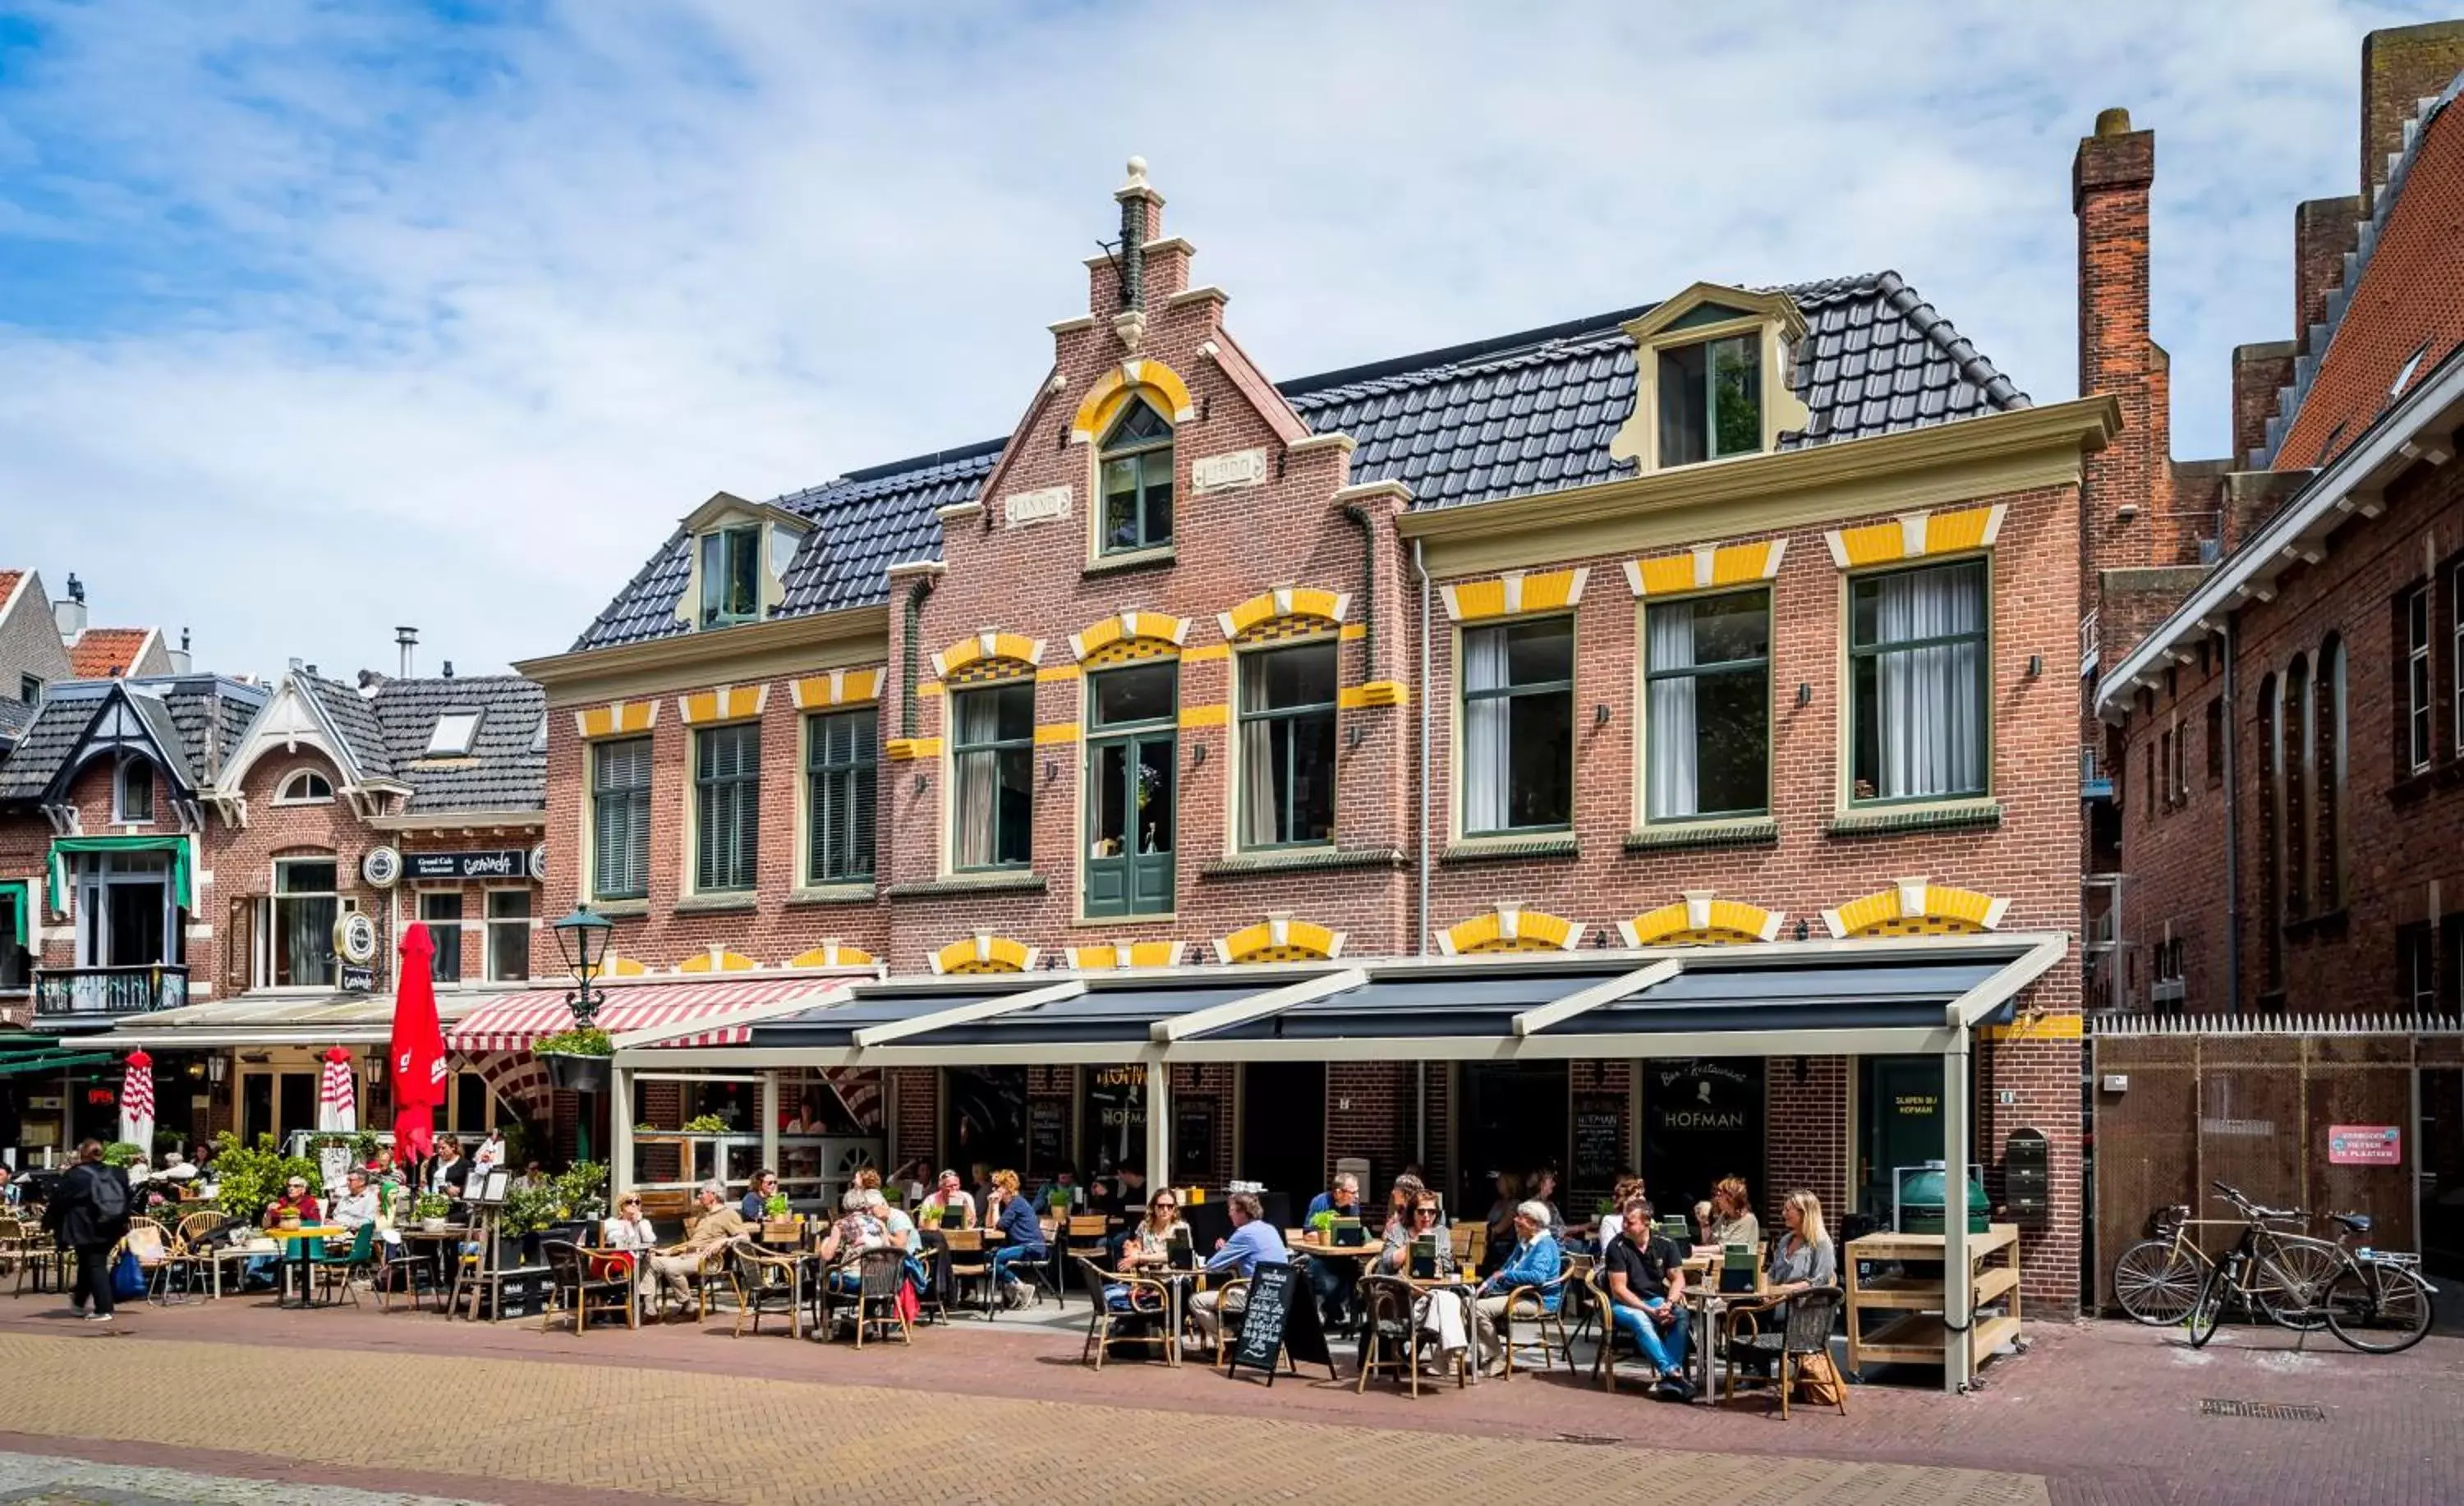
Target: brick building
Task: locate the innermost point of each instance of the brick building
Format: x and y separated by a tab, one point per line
1718	621
2283	648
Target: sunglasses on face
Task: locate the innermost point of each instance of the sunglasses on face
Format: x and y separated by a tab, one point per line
1424	1212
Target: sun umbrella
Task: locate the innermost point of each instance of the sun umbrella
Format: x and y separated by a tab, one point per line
137	1103
417	1050
338	1109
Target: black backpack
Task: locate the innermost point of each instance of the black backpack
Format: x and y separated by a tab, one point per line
109	1189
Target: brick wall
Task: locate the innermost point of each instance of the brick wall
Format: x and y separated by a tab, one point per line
2401	66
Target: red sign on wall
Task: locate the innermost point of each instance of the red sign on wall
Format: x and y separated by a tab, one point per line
2364	1145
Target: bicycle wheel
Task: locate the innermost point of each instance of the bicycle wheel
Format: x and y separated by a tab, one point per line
2206	1307
2156	1280
2290	1285
2379	1308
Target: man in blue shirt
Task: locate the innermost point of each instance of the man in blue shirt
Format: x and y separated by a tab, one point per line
1536	1262
1253	1241
1331	1278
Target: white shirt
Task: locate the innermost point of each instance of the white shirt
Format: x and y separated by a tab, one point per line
627	1234
351	1209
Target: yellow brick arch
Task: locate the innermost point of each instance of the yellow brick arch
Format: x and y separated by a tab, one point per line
832	954
1511	927
1159	384
1128	636
1915	908
990	654
1280	938
717	959
1285	612
984	952
1701	918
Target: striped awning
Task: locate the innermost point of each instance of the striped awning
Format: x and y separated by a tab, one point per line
727	1005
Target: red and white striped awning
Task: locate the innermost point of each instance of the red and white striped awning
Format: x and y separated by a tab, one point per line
729	1004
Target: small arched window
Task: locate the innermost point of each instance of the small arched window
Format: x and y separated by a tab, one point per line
2327	717
2270	791
1135	470
2295	767
304	787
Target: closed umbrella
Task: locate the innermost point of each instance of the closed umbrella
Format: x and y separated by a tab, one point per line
137	1103
417	1050
338	1109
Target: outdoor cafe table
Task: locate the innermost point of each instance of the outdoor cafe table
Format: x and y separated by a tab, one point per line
447	1240
299	1253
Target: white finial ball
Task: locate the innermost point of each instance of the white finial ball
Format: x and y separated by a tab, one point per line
1138	168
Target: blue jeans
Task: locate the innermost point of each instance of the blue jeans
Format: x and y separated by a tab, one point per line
1664	1348
1332	1281
1007	1254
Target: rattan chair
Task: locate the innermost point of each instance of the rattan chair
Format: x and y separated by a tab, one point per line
1127	1309
1529	1304
971	1266
1396	1338
1804	1332
880	1276
583	1293
1084	1236
765	1282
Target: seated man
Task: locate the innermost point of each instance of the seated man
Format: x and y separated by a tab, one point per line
1253	1240
358	1204
297	1199
1331	1280
1646	1287
678	1265
1535	1261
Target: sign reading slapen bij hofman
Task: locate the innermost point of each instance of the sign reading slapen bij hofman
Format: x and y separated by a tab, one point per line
510	864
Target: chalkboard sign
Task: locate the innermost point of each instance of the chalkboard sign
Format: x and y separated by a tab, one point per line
1600	1147
1047	1136
1193	1139
1281	1319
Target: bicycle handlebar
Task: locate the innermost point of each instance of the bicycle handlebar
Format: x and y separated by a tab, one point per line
2235	1196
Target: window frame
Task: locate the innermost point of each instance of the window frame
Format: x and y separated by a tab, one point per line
123	807
744	784
30	690
1143	451
1850	653
439	928
527	923
997	745
637	798
1646	676
1663	355
1465	695
2417	743
709	612
298	778
1133	737
277	958
857	778
1254	660
439	746
2455	647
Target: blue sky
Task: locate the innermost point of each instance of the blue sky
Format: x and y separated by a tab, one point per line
321	318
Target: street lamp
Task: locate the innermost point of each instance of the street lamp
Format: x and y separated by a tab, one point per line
582	938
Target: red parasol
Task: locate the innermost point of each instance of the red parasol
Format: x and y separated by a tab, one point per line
417	1050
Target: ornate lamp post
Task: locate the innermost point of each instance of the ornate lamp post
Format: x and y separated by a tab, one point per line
582	938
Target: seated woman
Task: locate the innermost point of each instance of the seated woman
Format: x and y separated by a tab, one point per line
1008	1211
1535	1261
1150	1243
628	1231
1802	1256
756	1196
1733	1215
1412	1211
948	1198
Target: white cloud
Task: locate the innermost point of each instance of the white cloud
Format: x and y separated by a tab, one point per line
364	322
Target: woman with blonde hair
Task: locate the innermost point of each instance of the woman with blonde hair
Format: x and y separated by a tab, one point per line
1733	1215
1802	1256
1151	1242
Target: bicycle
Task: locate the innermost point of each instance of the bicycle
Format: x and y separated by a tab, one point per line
2156	1280
2377	1293
2270	1273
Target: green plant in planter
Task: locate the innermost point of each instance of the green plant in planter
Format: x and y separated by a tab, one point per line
706	1124
646	1127
248	1177
123	1153
1322	1220
582	1041
431	1205
775	1206
529	1209
582	1189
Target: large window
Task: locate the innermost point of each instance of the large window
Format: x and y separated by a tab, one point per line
1137	481
1518	727
993	753
727	806
1131	795
1287	745
1918	671
731	576
509	936
306	903
1706	707
1710	401
839	775
441	910
620	819
2416	677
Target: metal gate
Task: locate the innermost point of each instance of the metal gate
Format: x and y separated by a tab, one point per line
2181	1101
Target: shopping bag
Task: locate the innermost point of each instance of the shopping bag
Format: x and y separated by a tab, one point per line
127	1277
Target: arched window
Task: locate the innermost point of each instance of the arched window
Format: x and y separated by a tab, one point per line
1135	470
2269	790
2294	770
2327	715
304	787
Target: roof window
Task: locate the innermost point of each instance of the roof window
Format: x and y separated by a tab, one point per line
2411	364
454	735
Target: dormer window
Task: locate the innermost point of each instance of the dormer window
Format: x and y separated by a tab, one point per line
731	576
1710	401
305	787
132	795
1136	468
453	734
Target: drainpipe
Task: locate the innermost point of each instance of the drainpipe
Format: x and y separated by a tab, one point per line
912	665
1368	587
1420	694
2232	825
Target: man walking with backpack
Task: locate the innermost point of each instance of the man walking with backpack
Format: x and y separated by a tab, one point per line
89	1215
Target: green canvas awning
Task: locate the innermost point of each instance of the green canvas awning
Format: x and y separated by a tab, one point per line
66	847
54	1061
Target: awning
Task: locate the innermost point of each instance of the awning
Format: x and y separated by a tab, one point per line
353	1019
64	848
24	1056
725	1007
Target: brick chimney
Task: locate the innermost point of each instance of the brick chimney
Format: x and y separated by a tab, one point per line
2123	488
2401	66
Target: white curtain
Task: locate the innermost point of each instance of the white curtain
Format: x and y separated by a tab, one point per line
1487	739
979	773
1258	811
1669	730
1932	728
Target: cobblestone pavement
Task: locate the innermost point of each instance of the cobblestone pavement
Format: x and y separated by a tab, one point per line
34	1479
2094	1414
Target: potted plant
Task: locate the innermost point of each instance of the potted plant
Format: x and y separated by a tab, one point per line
430	1209
577	1059
123	1153
706	1124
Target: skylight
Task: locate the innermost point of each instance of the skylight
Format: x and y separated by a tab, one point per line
454	732
2411	364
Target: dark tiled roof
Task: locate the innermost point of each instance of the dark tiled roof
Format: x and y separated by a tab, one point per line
199	717
504	770
15	717
1528	412
355	719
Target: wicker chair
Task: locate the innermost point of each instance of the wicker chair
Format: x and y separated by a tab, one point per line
765	1282
1804	1332
1529	1304
1396	1340
970	1265
880	1276
1084	1236
570	1278
1141	1313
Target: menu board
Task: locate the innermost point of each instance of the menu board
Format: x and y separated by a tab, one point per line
1048	1137
1280	1318
1599	1150
1193	1139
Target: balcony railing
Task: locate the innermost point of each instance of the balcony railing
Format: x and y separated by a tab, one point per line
71	992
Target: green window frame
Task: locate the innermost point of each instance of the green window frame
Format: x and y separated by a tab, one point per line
841	773
1920	684
620	819
1710	400
1287	745
1136	469
1707	721
731	576
992	759
1132	794
726	807
1518	727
